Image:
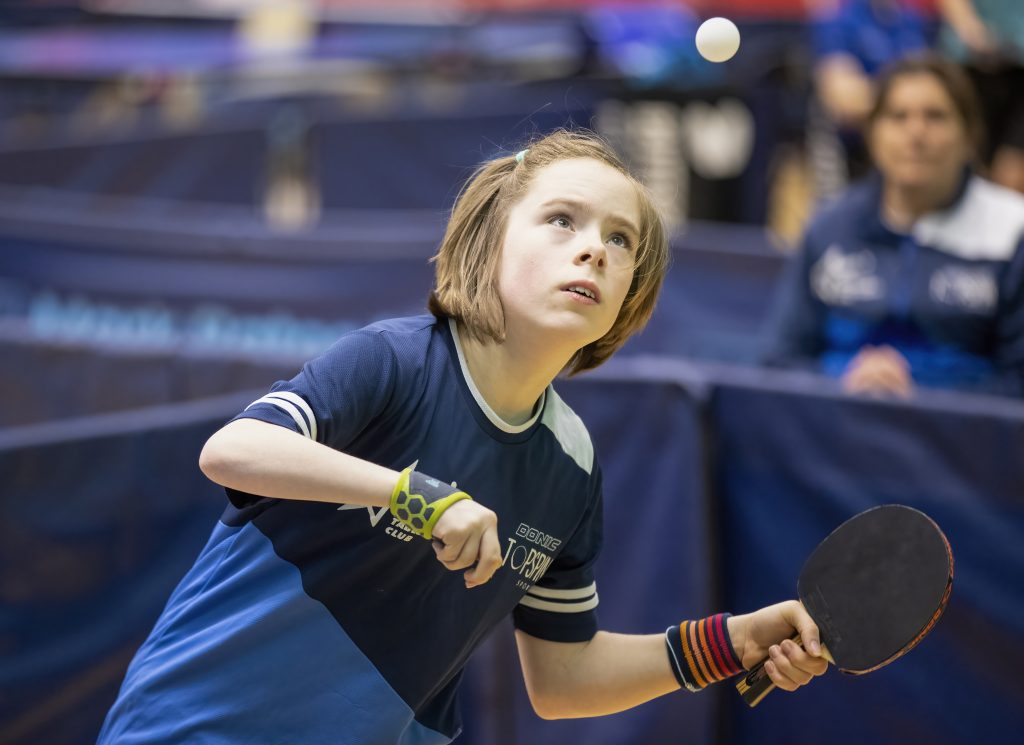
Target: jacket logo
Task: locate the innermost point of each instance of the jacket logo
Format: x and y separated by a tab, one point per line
840	278
973	290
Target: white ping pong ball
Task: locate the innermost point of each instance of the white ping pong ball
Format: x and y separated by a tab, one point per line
717	39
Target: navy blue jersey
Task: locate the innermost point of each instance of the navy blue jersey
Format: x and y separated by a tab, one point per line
312	623
949	296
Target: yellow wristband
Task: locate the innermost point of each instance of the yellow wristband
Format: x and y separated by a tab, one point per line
418	501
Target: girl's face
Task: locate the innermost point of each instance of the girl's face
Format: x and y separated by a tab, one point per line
568	255
918	139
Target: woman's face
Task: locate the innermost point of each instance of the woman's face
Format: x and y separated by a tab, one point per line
918	140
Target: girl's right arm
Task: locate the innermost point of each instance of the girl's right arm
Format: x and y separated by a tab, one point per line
270	461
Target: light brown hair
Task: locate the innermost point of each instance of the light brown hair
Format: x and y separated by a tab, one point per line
950	76
466	273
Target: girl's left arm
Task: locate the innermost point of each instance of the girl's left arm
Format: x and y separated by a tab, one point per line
614	672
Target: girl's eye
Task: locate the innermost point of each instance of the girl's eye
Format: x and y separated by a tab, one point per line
560	221
618	239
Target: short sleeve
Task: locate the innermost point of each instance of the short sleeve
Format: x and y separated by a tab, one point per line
561	606
336	395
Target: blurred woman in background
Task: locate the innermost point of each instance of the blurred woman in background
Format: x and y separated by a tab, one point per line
914	276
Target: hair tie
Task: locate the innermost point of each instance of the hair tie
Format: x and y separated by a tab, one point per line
521	154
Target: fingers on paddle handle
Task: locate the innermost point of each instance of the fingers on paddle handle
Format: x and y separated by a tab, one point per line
755	685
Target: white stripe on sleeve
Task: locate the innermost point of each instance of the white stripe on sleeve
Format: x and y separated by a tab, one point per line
532	602
286	407
582	592
299	401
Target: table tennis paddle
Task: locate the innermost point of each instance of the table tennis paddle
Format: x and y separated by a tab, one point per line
875	587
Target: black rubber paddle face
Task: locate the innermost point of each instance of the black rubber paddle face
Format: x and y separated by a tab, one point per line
874	587
877	585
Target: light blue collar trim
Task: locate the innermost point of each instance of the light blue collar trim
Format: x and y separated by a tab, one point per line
491	415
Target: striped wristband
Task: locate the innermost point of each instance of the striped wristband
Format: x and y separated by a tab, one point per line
700	652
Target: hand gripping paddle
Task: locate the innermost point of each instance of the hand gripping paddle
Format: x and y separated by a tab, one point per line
875	587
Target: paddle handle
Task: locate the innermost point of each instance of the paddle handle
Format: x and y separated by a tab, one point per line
756	684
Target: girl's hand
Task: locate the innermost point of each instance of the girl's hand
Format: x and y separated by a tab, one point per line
768	632
466	535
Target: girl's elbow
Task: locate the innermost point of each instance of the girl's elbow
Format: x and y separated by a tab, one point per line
549	705
218	458
545	709
210	460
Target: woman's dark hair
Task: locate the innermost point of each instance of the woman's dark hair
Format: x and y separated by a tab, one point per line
951	76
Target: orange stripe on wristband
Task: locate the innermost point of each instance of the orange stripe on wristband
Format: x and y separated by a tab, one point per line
685	628
697	639
706	649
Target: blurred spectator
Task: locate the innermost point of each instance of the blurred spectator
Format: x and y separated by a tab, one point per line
987	36
852	40
915	275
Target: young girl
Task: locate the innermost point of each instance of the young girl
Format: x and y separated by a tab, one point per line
421	481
